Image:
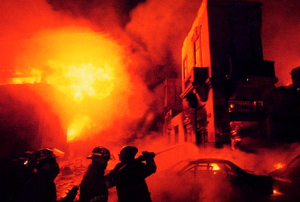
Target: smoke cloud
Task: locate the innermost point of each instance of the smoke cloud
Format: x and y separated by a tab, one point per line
150	32
148	36
261	162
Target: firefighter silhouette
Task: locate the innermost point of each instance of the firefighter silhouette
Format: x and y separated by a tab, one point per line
15	175
40	187
129	175
93	186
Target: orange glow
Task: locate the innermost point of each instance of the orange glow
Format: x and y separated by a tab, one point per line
34	77
231	106
215	166
279	165
77	126
90	69
277	193
73	61
83	80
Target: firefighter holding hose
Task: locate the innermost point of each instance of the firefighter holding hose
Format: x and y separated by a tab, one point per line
129	175
93	186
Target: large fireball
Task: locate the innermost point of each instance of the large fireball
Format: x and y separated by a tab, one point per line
88	67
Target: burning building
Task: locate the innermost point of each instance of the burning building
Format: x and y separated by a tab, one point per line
225	80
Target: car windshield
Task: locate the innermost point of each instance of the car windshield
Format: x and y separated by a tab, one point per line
213	167
210	166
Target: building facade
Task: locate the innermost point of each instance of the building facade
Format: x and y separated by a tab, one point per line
225	81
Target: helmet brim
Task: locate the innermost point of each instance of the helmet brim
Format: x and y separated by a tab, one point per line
96	157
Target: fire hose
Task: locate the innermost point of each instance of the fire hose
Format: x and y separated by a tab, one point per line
71	194
141	158
163	151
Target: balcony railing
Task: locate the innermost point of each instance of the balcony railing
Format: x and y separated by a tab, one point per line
246	106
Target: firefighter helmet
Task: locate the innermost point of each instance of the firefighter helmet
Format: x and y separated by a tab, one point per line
128	152
99	152
44	154
27	159
27	155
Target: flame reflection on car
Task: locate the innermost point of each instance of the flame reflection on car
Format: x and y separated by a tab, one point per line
211	180
287	179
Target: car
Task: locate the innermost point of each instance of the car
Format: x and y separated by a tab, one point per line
287	179
210	179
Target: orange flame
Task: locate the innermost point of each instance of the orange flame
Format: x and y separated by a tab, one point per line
34	77
81	64
215	166
79	123
279	165
83	80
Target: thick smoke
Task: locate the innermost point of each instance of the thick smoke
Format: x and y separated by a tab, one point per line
261	162
151	36
105	14
152	32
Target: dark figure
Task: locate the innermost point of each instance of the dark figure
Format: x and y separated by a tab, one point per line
129	175
15	176
41	187
93	187
47	171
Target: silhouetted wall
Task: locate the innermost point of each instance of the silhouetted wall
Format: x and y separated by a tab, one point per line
284	111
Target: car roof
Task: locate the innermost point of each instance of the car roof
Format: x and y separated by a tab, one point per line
188	162
210	160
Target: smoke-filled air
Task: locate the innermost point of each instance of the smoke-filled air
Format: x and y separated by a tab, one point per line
107	61
109	58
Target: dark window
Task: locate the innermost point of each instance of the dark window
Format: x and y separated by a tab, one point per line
176	129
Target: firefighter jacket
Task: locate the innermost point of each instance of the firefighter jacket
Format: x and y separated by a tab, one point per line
93	186
45	182
129	179
41	187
